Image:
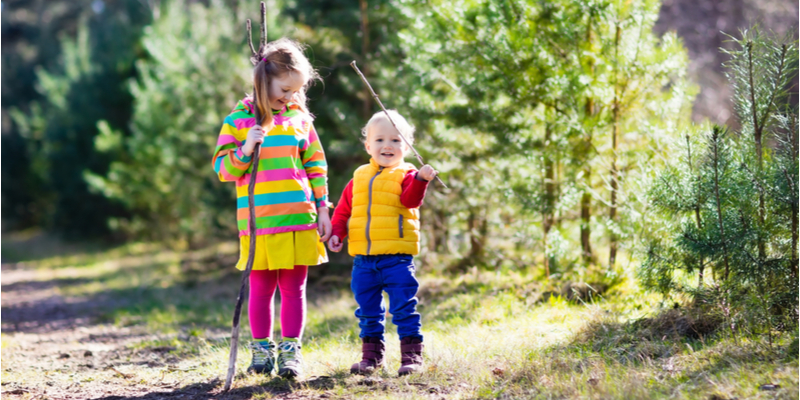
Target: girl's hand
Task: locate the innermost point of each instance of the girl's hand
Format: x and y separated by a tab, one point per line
335	244
254	136
427	172
324	226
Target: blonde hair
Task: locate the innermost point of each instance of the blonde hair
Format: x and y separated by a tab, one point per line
406	129
278	57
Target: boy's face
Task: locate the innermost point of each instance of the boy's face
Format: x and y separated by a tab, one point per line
283	87
384	144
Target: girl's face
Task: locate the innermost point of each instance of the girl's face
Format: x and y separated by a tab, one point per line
384	144
283	87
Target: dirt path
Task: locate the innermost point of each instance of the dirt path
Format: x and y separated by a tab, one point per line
55	347
49	339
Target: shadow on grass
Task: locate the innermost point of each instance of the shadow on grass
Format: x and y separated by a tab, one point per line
199	292
25	310
213	390
30	286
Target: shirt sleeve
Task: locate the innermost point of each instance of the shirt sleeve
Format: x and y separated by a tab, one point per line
414	189
343	211
229	162
316	167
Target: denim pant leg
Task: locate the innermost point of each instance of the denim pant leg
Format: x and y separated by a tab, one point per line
401	285
367	289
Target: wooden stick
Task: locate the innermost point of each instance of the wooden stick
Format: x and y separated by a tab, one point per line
253	53
251	187
246	274
419	157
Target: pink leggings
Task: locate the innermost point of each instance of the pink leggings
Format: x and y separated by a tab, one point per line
292	283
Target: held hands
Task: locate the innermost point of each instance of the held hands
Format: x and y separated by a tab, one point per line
335	244
324	226
427	172
254	136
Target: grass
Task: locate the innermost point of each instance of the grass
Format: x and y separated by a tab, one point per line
488	335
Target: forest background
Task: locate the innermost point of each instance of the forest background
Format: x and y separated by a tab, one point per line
592	146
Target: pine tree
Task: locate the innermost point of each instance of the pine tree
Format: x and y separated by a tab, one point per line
746	222
557	103
81	82
196	70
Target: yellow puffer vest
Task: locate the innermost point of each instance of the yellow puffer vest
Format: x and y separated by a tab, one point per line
379	223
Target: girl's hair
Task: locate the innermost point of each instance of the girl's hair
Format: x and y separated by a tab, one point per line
402	125
273	59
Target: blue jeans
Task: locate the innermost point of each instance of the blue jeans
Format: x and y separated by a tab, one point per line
393	273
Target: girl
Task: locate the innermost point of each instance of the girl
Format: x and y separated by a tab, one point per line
291	199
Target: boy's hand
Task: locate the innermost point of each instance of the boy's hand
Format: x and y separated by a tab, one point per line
335	245
427	172
254	135
324	226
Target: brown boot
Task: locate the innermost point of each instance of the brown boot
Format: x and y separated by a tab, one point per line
410	355
372	349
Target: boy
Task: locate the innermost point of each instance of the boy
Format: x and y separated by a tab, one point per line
382	203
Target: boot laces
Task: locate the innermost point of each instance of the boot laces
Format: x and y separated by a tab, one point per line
262	352
289	352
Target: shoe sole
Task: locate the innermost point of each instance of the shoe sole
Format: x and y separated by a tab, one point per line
259	370
358	371
361	372
404	373
288	374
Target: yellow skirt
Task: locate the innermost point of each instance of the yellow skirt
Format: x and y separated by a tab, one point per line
283	250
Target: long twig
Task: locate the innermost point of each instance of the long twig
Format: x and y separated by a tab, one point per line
419	157
252	211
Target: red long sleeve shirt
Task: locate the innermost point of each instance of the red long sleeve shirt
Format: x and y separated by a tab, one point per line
411	197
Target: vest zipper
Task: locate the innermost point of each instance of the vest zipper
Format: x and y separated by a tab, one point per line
369	208
400	225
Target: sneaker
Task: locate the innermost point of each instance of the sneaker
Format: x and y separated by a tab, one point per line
410	355
290	361
263	357
372	349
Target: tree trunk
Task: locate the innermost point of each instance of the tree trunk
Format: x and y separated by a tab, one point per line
549	196
586	199
586	216
716	138
697	219
478	230
440	227
612	212
794	144
366	110
758	131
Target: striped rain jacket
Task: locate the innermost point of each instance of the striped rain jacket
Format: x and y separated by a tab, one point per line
292	173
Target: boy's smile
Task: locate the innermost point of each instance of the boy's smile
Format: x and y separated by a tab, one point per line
384	144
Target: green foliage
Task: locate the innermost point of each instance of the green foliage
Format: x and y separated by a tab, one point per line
338	32
51	137
540	116
732	200
195	71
